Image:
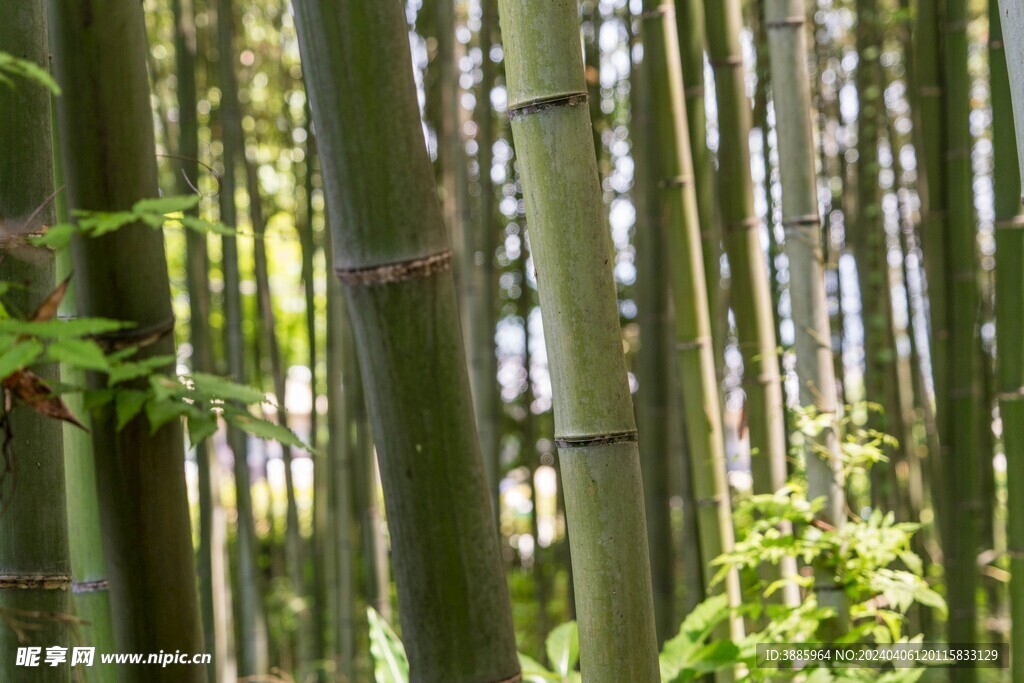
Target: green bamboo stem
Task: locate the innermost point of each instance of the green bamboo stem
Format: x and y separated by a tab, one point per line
293	534
212	532
674	214
35	568
932	189
1007	74
250	618
690	30
594	425
481	291
795	128
752	300
107	150
960	422
340	471
392	257
654	416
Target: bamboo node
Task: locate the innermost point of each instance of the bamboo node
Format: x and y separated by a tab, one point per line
663	10
46	582
115	340
596	439
749	223
694	90
697	343
400	271
677	181
809	220
1015	223
732	61
785	22
570	100
708	502
79	587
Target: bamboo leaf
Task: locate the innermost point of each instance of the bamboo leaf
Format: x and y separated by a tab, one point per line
390	663
80	353
10	64
165	205
563	647
264	429
19	356
534	672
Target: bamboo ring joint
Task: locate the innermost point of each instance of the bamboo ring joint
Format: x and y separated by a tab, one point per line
48	582
555	102
399	271
80	587
595	440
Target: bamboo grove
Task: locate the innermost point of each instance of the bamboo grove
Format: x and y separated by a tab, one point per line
478	341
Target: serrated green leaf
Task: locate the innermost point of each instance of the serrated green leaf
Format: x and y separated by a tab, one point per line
201	428
389	660
203	226
127	404
563	647
123	372
97	398
61	329
212	387
96	223
78	353
165	205
263	429
19	356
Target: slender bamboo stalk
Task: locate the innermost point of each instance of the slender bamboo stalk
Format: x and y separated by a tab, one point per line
674	213
482	283
35	569
690	30
791	95
392	257
960	422
594	426
250	618
107	147
340	473
751	302
210	553
654	417
1007	74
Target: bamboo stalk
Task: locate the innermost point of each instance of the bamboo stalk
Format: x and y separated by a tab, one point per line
791	95
35	568
1007	74
107	148
594	425
250	617
392	256
675	213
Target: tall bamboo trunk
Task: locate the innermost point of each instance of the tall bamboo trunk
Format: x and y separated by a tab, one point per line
107	147
690	30
392	256
960	422
1007	68
752	300
675	215
35	569
594	425
482	283
654	416
791	95
212	531
250	617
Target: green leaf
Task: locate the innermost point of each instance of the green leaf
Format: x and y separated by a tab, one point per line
201	428
134	369
10	64
96	223
212	387
160	413
97	398
19	356
56	236
264	429
389	662
165	205
79	353
127	404
534	672
679	652
563	647
204	226
61	329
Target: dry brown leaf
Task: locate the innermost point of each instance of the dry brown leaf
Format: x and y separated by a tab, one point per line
30	389
48	309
